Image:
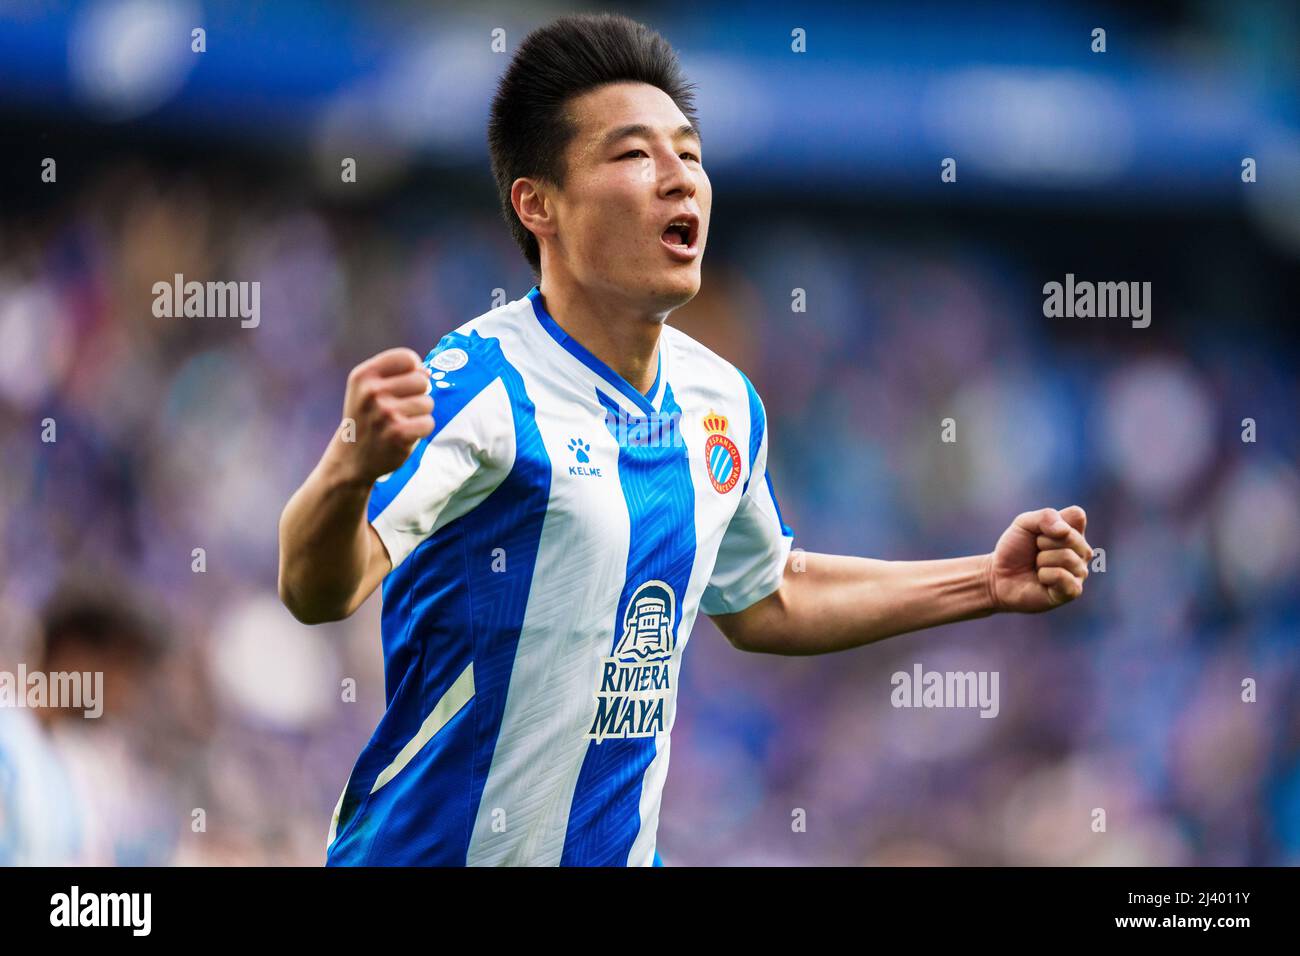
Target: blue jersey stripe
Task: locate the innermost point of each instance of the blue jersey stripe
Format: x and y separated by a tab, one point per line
605	815
502	543
785	528
757	427
449	604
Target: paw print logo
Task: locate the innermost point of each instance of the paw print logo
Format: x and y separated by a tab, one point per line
580	448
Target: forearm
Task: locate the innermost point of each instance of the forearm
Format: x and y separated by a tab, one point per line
837	602
331	559
324	544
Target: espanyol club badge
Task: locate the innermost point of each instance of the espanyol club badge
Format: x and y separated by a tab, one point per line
720	454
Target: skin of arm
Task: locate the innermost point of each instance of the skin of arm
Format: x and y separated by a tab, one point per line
837	602
331	558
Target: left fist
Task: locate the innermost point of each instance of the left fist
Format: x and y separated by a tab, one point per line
1041	561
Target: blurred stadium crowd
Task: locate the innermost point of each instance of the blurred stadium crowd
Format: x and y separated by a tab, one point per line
227	738
141	541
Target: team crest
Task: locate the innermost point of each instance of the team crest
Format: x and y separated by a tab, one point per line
721	456
635	681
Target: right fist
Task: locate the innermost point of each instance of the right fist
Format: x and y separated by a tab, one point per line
387	409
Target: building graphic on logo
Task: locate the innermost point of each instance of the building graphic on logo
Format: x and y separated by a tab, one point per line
647	625
721	455
636	680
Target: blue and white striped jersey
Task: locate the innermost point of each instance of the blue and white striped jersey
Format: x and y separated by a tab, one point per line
552	542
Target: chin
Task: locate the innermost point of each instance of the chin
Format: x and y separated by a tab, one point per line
680	287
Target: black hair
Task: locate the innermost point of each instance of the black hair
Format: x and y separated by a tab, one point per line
100	614
530	126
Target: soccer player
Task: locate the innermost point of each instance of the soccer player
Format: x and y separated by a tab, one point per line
560	487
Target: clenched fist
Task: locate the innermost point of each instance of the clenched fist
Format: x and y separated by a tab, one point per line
1041	561
387	409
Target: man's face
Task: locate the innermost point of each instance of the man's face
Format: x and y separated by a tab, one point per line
623	189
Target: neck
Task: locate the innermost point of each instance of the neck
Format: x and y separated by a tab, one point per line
622	334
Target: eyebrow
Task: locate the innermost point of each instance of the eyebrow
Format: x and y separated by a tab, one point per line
640	129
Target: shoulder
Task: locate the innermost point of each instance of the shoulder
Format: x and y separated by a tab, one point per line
477	344
709	372
470	359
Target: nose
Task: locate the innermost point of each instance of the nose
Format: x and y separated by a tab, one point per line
678	179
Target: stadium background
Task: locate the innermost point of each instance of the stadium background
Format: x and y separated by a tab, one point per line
924	301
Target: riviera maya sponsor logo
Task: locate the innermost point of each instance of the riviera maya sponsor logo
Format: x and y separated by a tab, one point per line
720	454
636	680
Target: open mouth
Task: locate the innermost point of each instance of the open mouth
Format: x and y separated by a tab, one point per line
680	236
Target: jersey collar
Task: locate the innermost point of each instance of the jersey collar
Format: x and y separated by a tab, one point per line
575	348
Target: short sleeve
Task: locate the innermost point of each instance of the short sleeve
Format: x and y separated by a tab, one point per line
469	453
751	559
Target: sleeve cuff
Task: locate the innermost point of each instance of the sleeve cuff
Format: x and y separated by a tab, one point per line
714	602
397	544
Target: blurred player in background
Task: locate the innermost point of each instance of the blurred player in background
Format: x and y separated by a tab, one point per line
74	786
551	497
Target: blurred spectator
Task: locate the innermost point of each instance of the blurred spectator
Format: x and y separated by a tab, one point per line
164	448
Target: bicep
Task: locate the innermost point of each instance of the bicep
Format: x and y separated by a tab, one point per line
748	628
